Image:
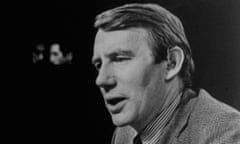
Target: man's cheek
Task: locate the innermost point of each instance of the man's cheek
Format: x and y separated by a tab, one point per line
129	74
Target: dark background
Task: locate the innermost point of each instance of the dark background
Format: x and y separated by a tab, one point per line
62	103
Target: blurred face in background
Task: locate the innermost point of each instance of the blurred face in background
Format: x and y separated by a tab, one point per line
56	55
131	83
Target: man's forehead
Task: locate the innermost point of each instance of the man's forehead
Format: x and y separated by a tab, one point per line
121	33
129	39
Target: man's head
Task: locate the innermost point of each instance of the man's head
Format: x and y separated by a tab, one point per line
56	54
140	49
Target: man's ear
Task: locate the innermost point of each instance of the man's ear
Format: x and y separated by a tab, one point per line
174	62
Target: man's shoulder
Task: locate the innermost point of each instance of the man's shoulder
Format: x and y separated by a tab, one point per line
201	109
212	120
207	108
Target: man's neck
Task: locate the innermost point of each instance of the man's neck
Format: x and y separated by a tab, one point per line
152	132
173	89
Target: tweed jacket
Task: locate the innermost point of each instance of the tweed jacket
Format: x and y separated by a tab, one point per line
198	119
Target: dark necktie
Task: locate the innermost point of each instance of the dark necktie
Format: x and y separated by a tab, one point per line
137	140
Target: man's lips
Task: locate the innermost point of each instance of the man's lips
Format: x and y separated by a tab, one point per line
116	104
116	100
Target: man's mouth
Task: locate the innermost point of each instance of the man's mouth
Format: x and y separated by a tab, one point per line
116	105
115	101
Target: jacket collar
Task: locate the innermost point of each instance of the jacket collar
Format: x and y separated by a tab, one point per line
180	118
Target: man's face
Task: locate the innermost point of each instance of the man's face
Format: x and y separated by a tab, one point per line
131	83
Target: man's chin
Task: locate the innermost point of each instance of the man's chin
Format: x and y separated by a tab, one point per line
120	121
120	124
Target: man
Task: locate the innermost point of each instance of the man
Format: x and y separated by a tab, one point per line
145	65
57	57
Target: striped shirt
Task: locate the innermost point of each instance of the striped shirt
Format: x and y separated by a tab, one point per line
151	134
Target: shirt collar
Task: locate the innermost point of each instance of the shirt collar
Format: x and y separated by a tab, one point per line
151	134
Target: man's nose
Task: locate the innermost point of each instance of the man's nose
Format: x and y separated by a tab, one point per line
105	79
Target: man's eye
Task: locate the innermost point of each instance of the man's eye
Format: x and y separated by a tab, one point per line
97	65
120	59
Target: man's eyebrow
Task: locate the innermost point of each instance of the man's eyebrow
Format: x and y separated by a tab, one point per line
121	52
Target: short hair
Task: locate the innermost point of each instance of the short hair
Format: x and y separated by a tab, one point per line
164	29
